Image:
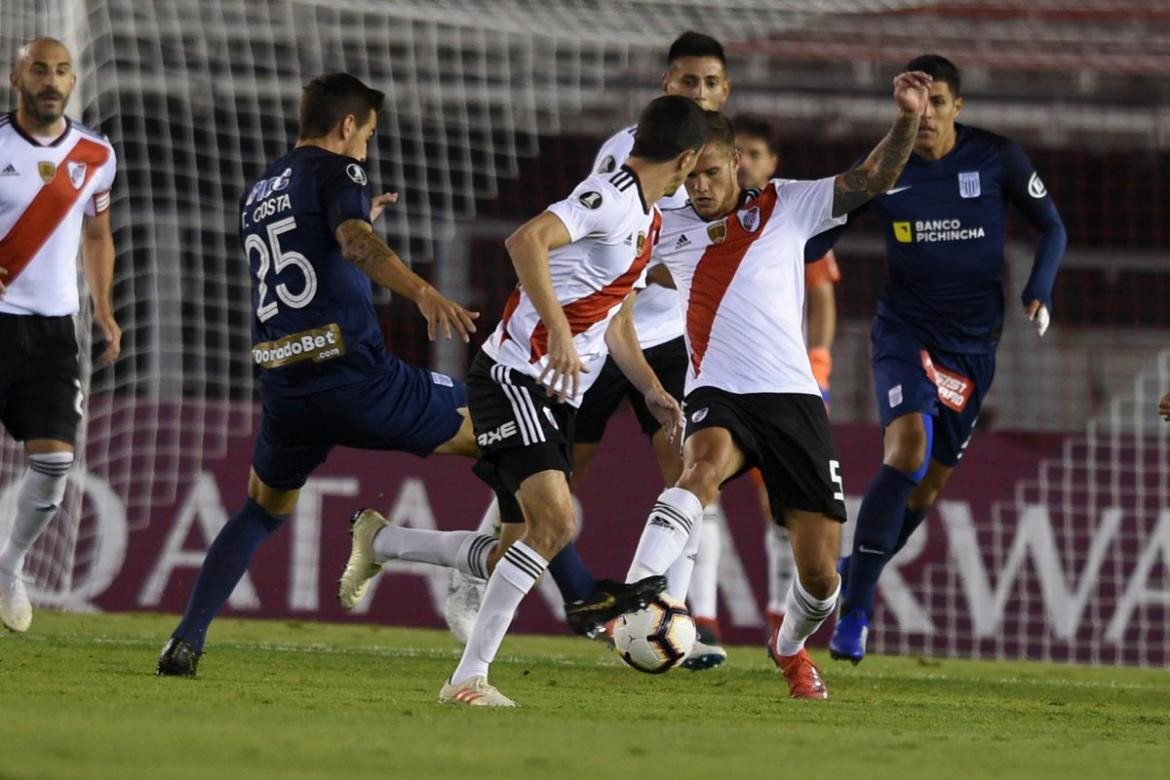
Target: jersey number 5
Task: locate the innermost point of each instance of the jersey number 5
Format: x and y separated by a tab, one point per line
267	310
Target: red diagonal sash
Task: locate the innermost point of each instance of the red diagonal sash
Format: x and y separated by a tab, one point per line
48	208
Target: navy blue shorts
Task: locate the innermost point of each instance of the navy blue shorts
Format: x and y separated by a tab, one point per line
909	377
402	408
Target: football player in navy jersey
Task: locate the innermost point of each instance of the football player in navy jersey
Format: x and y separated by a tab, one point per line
939	321
326	376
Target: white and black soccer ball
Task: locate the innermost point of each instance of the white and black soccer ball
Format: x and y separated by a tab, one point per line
655	639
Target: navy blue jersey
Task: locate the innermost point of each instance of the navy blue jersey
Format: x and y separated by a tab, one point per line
313	320
944	223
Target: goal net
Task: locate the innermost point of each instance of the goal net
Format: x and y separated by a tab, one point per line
494	108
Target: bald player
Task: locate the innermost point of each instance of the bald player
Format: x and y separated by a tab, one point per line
55	180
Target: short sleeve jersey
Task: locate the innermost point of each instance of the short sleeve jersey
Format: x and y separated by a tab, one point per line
657	317
742	281
47	188
612	232
313	320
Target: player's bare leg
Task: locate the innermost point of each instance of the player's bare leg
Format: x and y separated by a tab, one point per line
547	505
40	495
463	442
816	538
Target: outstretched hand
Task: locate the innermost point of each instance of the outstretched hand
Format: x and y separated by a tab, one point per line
380	203
912	91
441	311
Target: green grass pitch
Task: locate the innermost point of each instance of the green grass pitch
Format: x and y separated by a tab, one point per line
78	698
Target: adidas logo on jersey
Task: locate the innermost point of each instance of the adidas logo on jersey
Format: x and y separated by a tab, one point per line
9	170
682	241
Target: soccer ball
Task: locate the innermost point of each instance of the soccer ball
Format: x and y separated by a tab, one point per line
655	639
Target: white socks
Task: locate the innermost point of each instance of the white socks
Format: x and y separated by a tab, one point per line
466	551
666	533
517	571
803	615
705	580
489	524
680	575
781	566
41	493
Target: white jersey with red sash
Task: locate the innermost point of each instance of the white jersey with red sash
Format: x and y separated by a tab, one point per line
47	187
741	279
612	231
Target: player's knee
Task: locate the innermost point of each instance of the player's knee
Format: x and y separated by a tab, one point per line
701	477
551	527
906	451
820	579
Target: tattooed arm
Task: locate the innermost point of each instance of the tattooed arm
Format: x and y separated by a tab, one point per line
881	169
362	247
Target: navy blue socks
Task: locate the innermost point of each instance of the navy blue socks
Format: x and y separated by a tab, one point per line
571	575
227	560
874	541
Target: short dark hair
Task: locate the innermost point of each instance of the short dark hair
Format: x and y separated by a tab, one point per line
720	130
757	127
328	99
669	126
693	44
938	68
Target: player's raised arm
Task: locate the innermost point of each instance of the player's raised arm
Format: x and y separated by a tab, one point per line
529	247
880	169
622	340
365	249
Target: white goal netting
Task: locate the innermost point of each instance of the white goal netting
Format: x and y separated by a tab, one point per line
198	96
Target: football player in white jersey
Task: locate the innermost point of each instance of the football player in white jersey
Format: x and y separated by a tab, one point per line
55	180
756	140
696	67
578	264
737	258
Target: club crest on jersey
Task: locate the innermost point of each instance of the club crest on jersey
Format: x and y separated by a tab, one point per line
590	200
1036	187
969	184
641	242
76	173
749	218
608	165
356	173
717	231
47	170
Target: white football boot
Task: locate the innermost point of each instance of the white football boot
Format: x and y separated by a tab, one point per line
475	692
361	567
461	607
15	608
